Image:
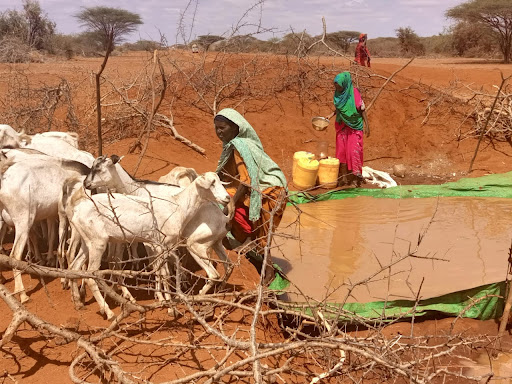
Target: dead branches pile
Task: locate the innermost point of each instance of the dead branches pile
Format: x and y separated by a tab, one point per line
492	115
500	121
39	108
215	337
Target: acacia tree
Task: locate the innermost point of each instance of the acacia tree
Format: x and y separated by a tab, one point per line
472	38
410	42
342	39
110	25
497	14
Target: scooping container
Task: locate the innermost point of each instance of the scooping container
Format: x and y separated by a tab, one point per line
320	123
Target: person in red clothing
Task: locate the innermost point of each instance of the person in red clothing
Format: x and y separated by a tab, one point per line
362	53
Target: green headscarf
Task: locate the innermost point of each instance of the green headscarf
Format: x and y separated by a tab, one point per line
263	171
345	103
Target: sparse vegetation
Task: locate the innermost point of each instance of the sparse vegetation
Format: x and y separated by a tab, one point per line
23	31
489	14
409	41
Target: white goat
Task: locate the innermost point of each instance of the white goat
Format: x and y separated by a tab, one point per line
68	137
116	217
17	155
28	197
205	231
379	178
181	176
9	133
47	144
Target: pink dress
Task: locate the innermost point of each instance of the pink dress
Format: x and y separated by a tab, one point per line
349	142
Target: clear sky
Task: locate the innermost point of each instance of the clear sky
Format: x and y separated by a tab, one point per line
377	18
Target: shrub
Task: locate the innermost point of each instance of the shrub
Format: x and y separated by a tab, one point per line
14	50
410	43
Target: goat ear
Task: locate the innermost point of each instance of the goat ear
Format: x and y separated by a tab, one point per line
115	158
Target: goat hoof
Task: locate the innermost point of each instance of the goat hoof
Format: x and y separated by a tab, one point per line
81	293
65	284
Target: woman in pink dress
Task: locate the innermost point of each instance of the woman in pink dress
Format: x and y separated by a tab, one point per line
351	123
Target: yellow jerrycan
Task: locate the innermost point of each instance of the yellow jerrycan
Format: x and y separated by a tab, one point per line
306	173
300	155
328	170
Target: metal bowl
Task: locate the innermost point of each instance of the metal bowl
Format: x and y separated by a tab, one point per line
320	123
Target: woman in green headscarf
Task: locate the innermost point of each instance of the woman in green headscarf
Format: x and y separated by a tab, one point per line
351	122
256	182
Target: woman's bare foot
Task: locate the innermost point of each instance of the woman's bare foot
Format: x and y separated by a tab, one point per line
359	180
270	274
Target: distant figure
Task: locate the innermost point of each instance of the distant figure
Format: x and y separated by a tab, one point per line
195	48
362	53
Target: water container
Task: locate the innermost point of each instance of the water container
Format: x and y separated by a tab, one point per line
300	155
322	149
305	173
328	171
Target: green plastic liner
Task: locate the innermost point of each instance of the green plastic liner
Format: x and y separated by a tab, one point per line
499	185
483	302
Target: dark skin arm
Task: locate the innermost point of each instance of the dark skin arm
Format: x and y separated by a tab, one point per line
328	117
366	126
241	191
239	194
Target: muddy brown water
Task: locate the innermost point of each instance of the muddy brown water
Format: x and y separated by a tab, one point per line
499	367
464	244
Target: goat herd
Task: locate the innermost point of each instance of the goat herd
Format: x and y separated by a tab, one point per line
45	178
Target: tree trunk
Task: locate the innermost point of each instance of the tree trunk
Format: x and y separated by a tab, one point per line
98	92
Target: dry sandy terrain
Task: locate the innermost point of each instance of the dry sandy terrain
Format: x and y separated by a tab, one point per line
416	121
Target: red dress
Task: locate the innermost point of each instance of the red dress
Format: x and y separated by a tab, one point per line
362	55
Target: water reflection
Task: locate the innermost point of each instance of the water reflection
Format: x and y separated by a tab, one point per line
464	243
500	366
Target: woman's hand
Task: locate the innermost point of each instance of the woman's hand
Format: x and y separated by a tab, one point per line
328	117
366	125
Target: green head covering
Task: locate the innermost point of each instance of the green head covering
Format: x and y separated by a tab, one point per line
345	103
263	171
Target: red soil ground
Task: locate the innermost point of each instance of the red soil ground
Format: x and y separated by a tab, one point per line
401	133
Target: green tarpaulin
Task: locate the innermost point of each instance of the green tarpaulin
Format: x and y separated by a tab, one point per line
499	185
483	302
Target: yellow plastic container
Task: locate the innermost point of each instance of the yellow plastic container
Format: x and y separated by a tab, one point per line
306	173
300	155
328	171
